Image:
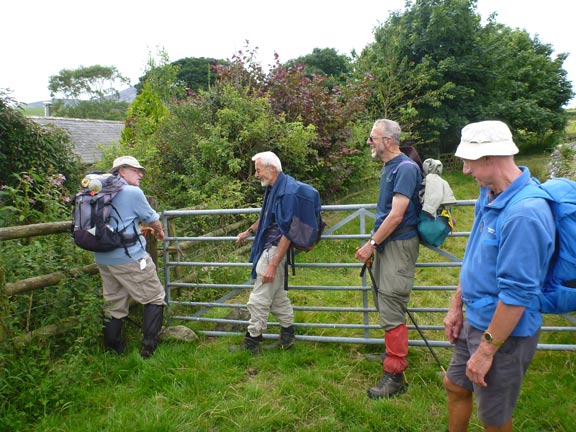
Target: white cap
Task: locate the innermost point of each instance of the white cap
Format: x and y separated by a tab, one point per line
126	161
486	138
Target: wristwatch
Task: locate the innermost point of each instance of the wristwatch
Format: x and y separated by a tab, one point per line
373	242
250	230
488	338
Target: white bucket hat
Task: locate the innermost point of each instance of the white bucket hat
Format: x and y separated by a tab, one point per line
487	138
126	161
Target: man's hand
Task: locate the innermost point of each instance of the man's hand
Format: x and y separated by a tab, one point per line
269	273
453	324
242	236
480	363
156	229
364	253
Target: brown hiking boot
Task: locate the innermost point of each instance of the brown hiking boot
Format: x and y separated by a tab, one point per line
250	343
390	385
285	340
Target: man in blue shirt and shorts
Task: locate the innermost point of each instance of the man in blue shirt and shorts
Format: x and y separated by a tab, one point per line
500	282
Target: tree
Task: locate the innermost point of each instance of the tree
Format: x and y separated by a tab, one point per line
193	73
198	149
325	61
97	83
94	82
332	111
447	70
528	89
100	110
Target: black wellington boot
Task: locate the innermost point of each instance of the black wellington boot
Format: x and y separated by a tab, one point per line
151	326
113	335
285	340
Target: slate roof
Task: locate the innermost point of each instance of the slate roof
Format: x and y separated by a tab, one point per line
87	136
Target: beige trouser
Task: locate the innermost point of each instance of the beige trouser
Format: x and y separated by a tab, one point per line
269	297
125	281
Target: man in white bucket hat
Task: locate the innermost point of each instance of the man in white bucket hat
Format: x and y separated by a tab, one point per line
130	272
500	282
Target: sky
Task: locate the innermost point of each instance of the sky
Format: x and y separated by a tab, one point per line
40	38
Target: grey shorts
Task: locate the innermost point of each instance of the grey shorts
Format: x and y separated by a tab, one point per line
496	402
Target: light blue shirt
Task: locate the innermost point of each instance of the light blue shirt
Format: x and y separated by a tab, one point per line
133	208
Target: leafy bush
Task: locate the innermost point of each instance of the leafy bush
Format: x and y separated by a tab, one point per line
35	198
43	153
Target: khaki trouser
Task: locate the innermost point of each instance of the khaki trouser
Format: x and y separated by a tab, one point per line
269	297
394	270
125	281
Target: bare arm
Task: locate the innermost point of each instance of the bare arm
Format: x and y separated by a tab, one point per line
245	234
389	224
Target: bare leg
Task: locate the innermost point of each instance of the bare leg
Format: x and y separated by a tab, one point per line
459	406
507	427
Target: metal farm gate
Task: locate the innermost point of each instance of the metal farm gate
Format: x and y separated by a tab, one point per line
340	311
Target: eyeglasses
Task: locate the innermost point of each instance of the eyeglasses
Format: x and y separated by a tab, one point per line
371	138
136	170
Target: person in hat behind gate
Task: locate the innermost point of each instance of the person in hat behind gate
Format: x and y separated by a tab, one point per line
500	282
394	243
131	273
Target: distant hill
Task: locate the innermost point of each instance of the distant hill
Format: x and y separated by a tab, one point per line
127	95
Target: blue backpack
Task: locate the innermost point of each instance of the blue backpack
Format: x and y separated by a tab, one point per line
559	290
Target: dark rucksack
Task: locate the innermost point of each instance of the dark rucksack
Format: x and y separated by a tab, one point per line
307	224
93	213
559	289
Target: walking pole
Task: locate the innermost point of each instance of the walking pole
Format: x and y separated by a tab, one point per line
368	266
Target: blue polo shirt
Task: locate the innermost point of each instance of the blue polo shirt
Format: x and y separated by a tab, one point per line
511	265
405	179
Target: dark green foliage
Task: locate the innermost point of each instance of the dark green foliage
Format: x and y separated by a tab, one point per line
198	150
437	69
327	62
27	392
194	73
26	147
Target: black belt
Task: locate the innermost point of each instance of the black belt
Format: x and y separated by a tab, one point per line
397	233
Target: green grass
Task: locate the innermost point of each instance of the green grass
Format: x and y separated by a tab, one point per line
314	387
571	127
34	111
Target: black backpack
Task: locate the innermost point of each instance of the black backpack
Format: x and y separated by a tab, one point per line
94	210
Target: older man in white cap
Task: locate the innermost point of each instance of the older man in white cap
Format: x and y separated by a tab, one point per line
504	266
129	272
